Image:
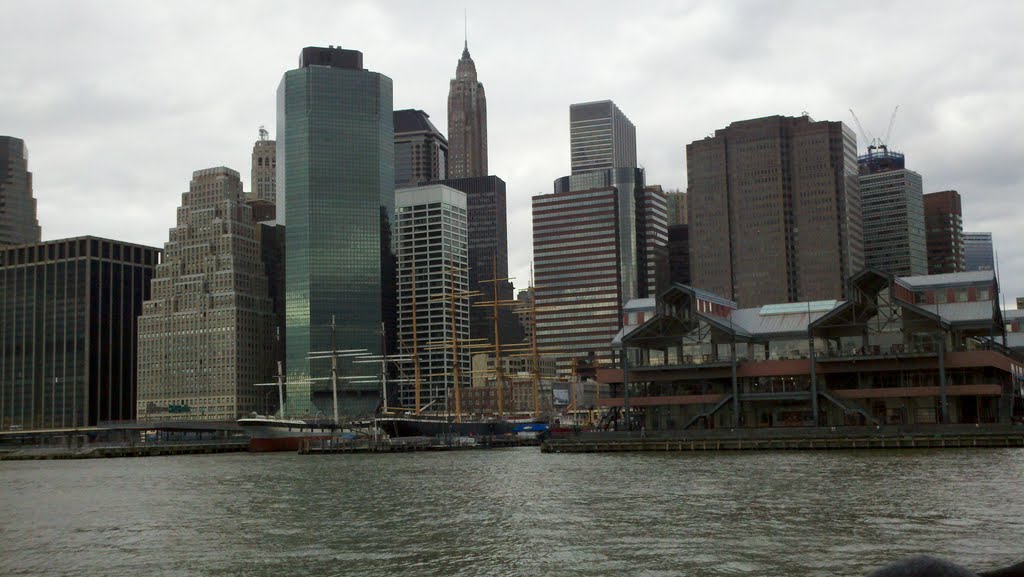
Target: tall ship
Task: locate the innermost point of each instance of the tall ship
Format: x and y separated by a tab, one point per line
483	419
269	433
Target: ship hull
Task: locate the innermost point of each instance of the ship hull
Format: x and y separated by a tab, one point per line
435	426
269	435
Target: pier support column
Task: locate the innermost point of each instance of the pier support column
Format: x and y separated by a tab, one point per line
943	401
735	388
625	384
814	383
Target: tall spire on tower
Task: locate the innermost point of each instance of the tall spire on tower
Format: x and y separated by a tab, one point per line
467	118
465	33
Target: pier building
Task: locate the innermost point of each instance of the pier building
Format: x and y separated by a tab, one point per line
919	350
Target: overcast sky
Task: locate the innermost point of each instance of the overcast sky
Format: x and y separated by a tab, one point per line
119	101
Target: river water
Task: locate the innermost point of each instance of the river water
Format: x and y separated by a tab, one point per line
511	512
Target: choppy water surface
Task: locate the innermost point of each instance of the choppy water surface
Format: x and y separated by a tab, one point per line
511	512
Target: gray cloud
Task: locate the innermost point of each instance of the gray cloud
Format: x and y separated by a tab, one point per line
120	101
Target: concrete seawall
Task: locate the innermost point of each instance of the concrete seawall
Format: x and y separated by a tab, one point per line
789	440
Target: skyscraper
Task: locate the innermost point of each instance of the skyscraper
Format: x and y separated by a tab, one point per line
264	168
775	210
944	231
652	241
600	137
598	242
467	121
421	151
679	254
206	331
978	252
68	322
488	254
676	202
336	173
892	208
18	221
579	288
432	234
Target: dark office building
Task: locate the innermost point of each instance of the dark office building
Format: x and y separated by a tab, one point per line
270	236
978	251
944	227
68	322
336	183
679	253
775	210
18	221
488	255
421	151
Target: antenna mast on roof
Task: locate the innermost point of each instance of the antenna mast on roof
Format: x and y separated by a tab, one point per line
465	28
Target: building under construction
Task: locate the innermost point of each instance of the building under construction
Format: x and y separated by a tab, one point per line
919	350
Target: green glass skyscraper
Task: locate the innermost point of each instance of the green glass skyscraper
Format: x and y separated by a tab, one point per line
335	162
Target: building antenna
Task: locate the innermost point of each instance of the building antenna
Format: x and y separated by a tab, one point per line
465	28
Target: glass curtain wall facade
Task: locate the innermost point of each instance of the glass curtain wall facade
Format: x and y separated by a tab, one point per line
676	203
432	268
68	325
978	252
600	137
892	205
335	159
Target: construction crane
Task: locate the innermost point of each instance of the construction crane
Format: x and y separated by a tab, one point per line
888	132
874	144
860	128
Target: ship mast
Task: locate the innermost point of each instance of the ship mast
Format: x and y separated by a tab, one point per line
279	376
384	366
498	380
455	351
334	371
415	338
535	365
502	350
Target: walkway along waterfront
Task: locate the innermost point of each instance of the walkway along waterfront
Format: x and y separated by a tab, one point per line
810	438
119	450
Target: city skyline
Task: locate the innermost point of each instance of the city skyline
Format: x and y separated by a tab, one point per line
710	69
